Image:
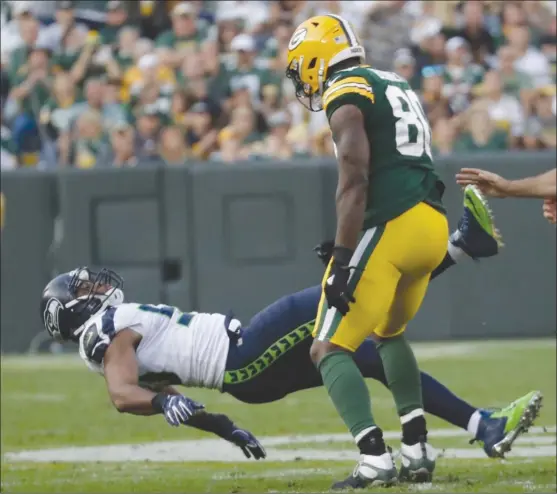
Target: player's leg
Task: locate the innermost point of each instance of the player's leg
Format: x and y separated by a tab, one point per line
271	358
373	282
422	234
476	235
495	431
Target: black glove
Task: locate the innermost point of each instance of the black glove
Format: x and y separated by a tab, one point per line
222	426
336	285
177	409
325	251
248	443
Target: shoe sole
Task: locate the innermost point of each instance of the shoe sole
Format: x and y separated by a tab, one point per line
374	483
420	476
530	413
472	190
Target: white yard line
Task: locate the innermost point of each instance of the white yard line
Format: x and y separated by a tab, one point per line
215	450
424	351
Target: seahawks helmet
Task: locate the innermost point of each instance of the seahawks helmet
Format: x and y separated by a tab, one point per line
70	299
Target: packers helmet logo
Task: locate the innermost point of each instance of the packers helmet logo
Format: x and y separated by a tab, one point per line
297	38
51	313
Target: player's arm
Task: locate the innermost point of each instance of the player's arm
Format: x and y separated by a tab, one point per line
353	153
540	186
122	376
122	379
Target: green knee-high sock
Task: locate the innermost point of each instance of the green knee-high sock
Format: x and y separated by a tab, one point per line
402	373
347	390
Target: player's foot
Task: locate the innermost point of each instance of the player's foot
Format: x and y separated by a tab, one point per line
370	471
418	462
476	234
498	430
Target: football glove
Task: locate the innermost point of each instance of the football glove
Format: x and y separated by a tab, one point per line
248	443
336	286
177	409
325	251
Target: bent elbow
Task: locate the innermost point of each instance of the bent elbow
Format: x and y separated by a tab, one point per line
120	405
119	401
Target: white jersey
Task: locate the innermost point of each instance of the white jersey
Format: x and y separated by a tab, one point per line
176	347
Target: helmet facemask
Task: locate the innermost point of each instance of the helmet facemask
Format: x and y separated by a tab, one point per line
311	99
104	289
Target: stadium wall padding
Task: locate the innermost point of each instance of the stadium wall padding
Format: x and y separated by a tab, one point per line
213	237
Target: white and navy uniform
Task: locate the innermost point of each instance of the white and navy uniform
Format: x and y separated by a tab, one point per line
258	363
175	347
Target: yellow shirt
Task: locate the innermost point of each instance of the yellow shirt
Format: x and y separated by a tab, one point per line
134	76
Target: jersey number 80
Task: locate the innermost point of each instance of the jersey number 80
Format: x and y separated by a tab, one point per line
408	110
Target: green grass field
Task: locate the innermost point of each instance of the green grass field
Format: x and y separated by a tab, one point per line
56	402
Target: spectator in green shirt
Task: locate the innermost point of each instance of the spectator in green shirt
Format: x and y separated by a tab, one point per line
29	32
89	146
31	86
186	35
116	19
245	71
515	82
481	134
62	109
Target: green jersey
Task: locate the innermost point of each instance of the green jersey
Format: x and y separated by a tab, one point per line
401	172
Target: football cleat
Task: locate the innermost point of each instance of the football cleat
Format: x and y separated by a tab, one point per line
370	471
476	234
498	430
418	462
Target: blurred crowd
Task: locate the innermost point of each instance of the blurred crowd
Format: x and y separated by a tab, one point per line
132	83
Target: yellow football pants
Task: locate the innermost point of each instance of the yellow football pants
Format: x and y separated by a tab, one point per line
393	266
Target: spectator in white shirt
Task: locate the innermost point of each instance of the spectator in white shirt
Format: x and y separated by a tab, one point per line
529	60
504	110
65	21
254	14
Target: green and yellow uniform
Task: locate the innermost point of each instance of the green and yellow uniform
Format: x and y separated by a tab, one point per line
405	229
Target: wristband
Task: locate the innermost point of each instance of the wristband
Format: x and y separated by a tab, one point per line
342	255
158	402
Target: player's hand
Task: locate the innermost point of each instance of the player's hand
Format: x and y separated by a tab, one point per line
550	210
177	409
336	285
248	444
325	251
489	183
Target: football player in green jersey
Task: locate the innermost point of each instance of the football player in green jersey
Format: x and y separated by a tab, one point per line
391	234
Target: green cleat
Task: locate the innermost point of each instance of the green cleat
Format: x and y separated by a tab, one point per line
476	234
498	430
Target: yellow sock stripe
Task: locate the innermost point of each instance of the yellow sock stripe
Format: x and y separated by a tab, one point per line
348	90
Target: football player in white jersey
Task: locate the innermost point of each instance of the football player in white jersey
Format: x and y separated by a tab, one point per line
143	350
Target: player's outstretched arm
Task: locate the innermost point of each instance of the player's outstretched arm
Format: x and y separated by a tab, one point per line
122	379
542	186
222	426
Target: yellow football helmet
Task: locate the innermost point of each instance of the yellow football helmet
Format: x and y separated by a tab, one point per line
317	45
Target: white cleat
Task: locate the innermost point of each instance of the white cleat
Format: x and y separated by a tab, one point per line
418	462
370	471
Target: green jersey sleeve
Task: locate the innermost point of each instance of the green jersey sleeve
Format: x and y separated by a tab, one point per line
348	90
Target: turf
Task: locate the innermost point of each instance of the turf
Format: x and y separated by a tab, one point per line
50	402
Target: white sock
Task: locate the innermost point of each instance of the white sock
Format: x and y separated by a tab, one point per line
455	252
418	412
359	437
474	423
